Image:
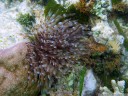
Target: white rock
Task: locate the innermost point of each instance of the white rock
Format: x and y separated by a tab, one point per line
72	1
2	7
120	39
11	32
24	7
126	1
121	85
90	83
105	31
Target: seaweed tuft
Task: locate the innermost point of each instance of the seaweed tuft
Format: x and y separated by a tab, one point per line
26	20
79	16
54	8
116	1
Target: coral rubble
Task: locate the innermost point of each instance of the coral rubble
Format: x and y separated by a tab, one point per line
118	89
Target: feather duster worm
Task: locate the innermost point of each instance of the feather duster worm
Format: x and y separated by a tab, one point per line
56	48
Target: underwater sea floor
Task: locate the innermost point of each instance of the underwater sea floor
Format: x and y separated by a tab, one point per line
11	32
103	68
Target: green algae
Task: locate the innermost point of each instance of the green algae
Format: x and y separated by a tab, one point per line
81	17
26	20
116	1
54	8
81	80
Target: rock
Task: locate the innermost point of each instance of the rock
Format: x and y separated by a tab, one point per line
125	1
72	1
105	31
101	8
10	29
13	49
2	7
90	84
13	75
118	89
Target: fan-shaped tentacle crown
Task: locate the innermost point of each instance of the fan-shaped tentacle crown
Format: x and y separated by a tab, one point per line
56	48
